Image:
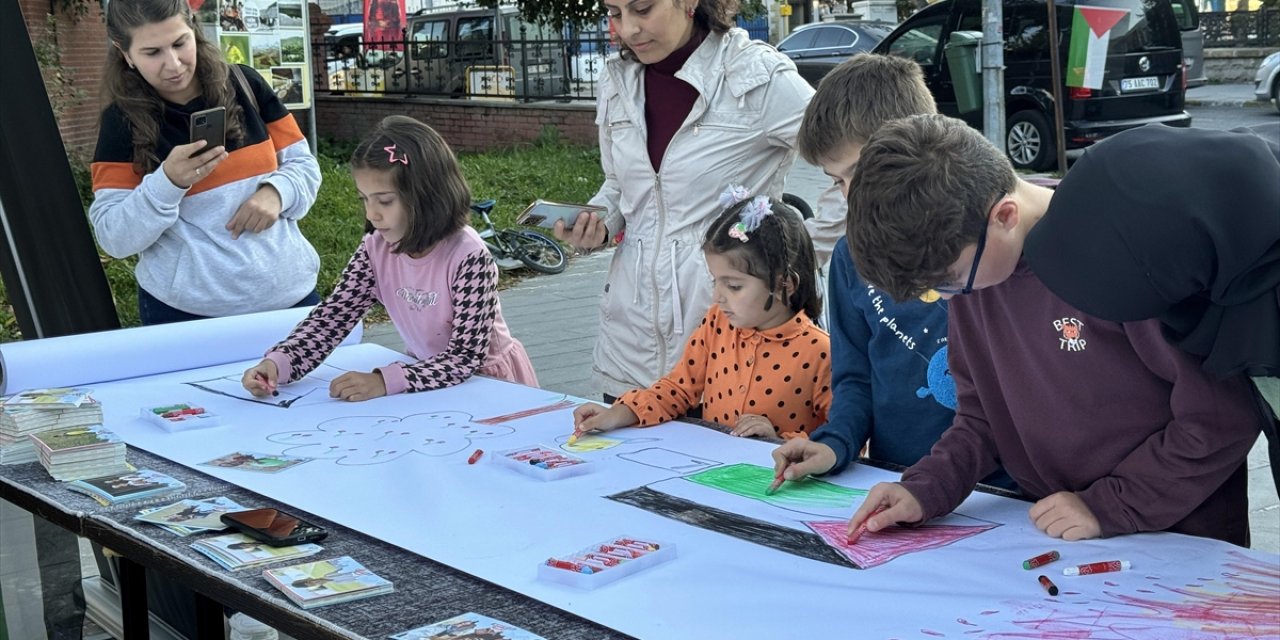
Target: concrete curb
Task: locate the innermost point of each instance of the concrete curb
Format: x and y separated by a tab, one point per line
1224	102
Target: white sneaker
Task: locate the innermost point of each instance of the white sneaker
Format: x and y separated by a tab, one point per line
245	628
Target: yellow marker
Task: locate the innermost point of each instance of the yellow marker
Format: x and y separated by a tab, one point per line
573	438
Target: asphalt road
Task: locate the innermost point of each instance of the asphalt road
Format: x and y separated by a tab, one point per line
1262	119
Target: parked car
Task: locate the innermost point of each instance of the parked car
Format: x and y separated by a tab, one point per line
451	50
818	47
1192	41
350	67
1144	79
1267	82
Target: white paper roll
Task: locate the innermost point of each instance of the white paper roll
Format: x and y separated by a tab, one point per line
90	358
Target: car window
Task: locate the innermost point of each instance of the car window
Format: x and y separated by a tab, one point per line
920	43
799	40
475	36
1185	12
834	37
430	31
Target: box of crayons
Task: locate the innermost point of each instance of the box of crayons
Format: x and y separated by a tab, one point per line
603	563
180	416
542	462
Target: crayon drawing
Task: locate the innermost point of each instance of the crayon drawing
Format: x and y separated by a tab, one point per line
312	389
596	442
751	481
784	539
1241	602
362	440
563	403
875	549
670	460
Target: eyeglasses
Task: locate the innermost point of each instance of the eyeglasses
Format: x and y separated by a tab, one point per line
973	271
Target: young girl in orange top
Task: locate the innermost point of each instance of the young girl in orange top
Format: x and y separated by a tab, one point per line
757	362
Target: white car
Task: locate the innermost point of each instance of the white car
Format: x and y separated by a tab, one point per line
1267	82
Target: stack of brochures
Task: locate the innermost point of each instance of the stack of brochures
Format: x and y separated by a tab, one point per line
238	551
74	453
22	415
315	584
186	517
141	485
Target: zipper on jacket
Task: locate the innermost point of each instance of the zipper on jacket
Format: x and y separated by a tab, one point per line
678	308
653	282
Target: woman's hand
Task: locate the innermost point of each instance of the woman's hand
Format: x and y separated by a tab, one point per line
354	386
751	425
258	213
188	164
588	232
260	379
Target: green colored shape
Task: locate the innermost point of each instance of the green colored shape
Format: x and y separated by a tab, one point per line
751	481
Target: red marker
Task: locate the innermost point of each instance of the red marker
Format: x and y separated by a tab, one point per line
1040	560
475	456
267	383
777	481
862	528
570	566
1096	567
1049	585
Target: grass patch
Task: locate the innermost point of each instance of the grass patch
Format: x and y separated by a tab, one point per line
335	223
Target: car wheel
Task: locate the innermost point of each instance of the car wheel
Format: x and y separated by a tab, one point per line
1030	141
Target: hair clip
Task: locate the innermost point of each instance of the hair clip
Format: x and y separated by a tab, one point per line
391	155
733	194
752	215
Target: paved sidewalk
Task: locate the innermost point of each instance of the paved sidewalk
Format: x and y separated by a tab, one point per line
1223	95
557	319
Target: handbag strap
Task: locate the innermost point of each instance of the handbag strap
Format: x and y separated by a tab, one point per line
244	86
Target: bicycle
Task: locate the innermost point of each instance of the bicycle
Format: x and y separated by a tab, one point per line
512	248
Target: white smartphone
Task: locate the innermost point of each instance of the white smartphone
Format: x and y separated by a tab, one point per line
544	213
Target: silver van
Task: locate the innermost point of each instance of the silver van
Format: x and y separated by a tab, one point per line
1192	41
474	51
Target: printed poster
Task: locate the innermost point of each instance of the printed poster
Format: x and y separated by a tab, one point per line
268	35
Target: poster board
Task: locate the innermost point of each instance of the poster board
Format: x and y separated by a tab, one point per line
269	35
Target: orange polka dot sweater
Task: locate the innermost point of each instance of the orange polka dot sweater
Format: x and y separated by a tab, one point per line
783	374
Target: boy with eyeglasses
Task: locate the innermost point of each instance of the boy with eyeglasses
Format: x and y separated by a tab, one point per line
1108	427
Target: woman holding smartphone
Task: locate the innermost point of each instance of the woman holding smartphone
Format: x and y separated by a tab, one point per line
690	105
215	226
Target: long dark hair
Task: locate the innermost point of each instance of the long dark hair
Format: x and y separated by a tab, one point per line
427	177
142	106
780	248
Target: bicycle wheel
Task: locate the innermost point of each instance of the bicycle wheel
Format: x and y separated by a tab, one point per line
536	251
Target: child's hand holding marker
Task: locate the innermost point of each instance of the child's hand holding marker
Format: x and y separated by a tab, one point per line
595	417
802	457
260	380
887	504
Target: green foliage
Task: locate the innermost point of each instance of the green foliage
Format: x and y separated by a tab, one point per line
752	9
557	13
547	169
59	81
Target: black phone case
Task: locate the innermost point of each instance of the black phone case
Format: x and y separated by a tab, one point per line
213	130
303	532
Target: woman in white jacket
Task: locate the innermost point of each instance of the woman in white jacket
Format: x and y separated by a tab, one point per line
690	105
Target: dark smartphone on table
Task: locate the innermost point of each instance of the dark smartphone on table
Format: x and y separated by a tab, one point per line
274	527
210	125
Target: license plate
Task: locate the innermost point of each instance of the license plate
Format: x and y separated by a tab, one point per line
1139	84
540	68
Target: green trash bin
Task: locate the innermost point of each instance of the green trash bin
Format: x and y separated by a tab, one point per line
964	62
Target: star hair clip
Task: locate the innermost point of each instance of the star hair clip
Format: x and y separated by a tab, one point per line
392	158
752	214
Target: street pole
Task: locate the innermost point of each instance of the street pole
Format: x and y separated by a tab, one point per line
1056	75
993	72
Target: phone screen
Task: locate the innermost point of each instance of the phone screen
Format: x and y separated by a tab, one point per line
271	522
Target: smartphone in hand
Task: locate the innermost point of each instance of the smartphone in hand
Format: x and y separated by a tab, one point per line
210	125
544	213
274	527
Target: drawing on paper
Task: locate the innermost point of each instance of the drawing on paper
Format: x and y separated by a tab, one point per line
595	442
875	549
312	389
681	463
1242	601
564	403
751	481
361	440
785	539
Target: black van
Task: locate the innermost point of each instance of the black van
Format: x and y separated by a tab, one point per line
1144	80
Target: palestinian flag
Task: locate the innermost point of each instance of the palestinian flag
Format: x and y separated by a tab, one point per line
1090	36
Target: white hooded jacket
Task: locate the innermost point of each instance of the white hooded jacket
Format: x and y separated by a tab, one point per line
741	130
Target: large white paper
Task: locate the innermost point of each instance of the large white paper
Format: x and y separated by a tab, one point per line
396	468
89	358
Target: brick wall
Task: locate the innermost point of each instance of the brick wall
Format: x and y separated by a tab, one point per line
83	44
468	125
